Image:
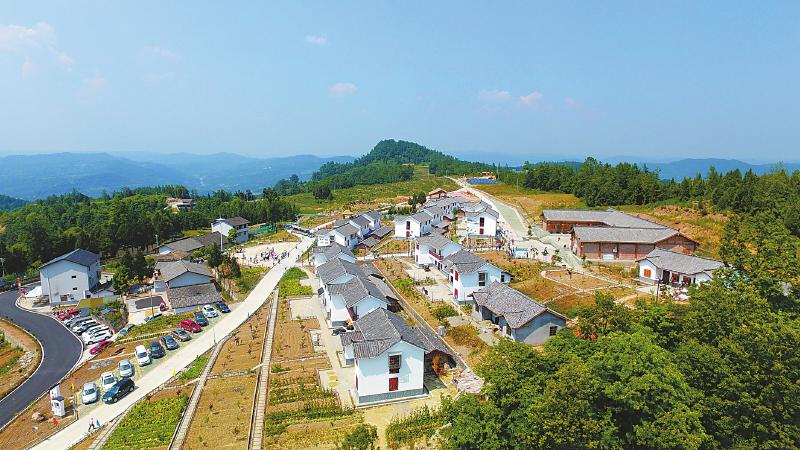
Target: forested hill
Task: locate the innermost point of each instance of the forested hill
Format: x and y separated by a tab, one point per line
388	162
10	203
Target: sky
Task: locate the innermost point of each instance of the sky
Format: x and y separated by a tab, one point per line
527	80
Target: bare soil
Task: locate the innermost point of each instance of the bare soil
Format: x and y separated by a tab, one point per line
222	419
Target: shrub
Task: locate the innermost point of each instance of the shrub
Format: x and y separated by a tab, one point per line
442	311
420	425
362	437
195	369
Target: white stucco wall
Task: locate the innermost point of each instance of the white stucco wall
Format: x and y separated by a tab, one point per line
645	264
468	283
57	279
188	279
373	373
489	225
400	228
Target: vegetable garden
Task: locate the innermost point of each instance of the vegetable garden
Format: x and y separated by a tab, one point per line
150	424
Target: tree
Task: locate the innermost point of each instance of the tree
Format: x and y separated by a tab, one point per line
323	192
122	280
213	255
362	437
232	236
603	317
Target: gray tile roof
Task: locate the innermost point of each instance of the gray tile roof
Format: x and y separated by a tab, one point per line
195	295
347	229
682	263
173	269
335	268
377	331
237	221
610	217
356	289
374	215
434	210
362	221
422	216
516	307
488	211
370	241
383	231
623	235
332	251
77	256
436	241
464	261
194	243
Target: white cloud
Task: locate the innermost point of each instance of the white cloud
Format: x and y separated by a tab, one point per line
317	39
342	89
531	99
161	52
17	37
95	84
494	95
570	102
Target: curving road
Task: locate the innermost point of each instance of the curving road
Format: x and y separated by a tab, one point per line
61	350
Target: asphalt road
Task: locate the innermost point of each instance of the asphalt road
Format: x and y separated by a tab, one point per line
61	351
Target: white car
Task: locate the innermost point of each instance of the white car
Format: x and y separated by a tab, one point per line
209	311
95	338
83	326
125	368
107	379
141	355
89	393
87	336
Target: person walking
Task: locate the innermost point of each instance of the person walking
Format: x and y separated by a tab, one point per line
91	425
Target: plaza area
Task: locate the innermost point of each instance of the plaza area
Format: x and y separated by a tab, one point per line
263	255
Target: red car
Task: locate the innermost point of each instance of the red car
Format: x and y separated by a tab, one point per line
100	347
190	325
66	314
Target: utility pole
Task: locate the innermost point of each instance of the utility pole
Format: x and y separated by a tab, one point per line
3	263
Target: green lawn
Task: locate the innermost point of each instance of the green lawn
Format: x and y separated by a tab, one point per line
149	424
290	284
364	197
250	277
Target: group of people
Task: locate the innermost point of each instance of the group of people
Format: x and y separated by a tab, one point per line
271	257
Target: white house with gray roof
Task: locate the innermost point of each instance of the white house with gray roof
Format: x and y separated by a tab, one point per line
70	277
347	235
175	274
481	221
388	356
323	254
415	225
468	272
518	316
224	227
430	250
349	292
676	269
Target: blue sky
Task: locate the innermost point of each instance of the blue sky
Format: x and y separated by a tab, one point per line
533	80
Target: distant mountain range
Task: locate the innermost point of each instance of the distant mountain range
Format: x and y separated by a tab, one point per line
31	177
37	176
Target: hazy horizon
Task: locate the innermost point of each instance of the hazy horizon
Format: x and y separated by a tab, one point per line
654	81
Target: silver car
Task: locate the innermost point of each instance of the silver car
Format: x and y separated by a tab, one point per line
89	394
126	369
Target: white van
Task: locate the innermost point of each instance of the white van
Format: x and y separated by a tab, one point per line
142	356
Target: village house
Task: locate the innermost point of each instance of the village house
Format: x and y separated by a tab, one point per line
389	357
348	292
518	316
347	235
179	204
180	273
676	269
71	277
189	298
614	235
436	194
323	254
224	227
415	225
481	220
449	205
186	246
468	272
430	250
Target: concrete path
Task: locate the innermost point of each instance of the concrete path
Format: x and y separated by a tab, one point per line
199	345
257	434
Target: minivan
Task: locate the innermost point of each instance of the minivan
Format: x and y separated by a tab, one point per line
141	355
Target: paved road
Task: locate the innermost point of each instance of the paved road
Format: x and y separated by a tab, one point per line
61	351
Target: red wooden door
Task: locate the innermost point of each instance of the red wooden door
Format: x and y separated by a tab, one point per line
393	384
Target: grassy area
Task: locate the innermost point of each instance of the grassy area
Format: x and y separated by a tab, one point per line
369	196
195	369
700	225
279	236
161	324
150	424
249	279
195	233
290	286
530	201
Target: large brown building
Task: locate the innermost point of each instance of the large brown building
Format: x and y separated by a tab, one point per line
614	235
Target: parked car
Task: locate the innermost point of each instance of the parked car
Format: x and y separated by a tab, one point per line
92	332
339	330
209	311
182	335
156	350
95	338
141	355
76	320
152	316
169	342
190	325
65	314
119	390
126	329
100	346
89	393
126	369
222	307
83	325
200	318
107	379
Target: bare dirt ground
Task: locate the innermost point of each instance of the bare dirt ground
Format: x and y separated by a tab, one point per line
19	357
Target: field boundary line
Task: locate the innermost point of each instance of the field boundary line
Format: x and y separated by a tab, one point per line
257	427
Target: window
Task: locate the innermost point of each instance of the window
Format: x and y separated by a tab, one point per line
394	363
508	329
74	276
356	382
553	330
481	222
475	307
455	293
481	278
393	384
456	276
74	289
647	273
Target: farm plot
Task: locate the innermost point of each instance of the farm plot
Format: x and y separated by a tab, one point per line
243	350
223	415
578	280
292	339
151	423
